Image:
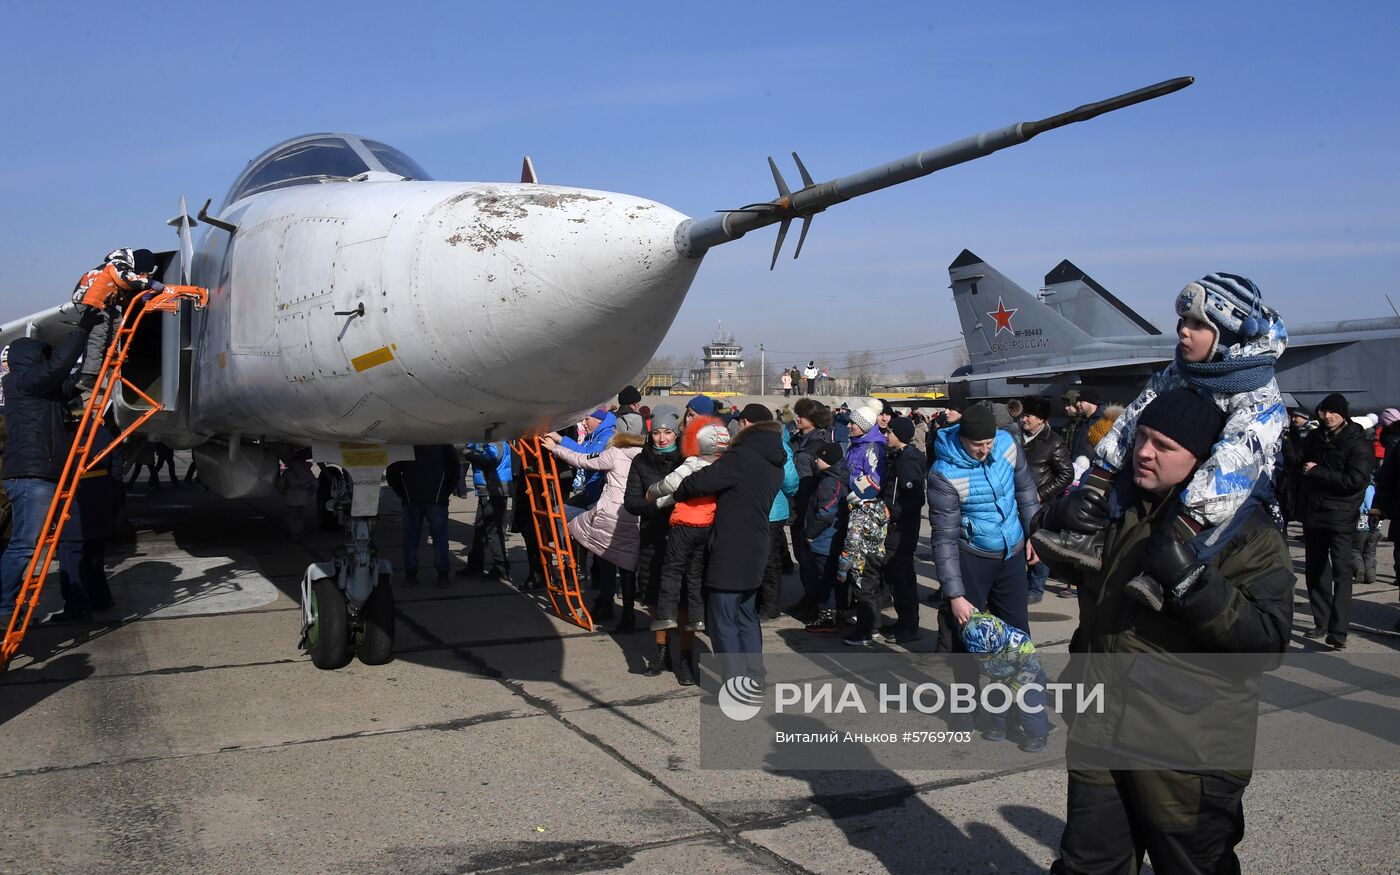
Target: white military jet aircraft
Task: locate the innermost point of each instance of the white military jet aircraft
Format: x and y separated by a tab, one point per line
359	307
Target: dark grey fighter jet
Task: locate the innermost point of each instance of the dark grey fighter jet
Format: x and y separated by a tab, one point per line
1076	334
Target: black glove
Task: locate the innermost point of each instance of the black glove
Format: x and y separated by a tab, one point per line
1082	510
1170	561
89	318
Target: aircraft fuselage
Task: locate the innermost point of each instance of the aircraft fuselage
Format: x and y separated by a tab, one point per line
423	312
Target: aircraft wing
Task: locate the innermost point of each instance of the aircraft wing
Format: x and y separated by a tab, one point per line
1053	370
50	326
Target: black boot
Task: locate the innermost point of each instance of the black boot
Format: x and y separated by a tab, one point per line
628	582
1076	549
658	663
804	610
685	669
768	599
1144	589
601	610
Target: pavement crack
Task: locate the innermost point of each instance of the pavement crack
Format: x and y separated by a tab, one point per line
152	672
453	725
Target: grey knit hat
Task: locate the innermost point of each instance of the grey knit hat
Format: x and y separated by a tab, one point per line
665	416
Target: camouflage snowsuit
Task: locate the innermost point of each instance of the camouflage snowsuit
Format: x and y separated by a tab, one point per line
1005	653
1249	446
865	537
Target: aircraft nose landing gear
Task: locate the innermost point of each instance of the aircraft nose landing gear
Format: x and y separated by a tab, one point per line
347	605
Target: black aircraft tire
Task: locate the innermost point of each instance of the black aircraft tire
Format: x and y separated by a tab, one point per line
326	518
328	638
376	646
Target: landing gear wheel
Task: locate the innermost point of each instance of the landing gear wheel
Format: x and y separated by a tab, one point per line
328	637
327	519
375	639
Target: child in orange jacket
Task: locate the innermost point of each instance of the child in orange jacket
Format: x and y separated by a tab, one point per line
705	438
107	289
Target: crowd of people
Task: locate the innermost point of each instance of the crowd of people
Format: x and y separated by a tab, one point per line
802	381
1164	518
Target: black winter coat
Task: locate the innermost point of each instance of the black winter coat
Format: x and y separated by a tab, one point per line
1287	476
36	390
429	479
1387	499
1049	460
744	480
519	494
905	492
804	454
931	440
1330	495
828	514
648	468
1390	438
93	514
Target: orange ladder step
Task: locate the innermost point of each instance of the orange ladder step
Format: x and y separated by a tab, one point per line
556	548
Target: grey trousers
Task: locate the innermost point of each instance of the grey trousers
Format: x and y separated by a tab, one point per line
98	339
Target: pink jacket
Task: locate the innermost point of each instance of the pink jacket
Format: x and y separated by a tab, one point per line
607	530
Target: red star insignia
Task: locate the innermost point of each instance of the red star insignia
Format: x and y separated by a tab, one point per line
1003	317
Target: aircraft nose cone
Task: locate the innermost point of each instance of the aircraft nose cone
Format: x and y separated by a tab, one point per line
546	296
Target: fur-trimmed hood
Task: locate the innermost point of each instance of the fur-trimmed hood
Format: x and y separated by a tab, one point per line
767	437
748	432
1098	429
627	439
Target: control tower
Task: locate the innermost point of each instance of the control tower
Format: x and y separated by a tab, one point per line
723	369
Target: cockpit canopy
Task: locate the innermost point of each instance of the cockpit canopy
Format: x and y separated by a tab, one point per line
315	158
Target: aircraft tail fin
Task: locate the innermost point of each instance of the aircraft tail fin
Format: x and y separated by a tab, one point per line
1075	295
527	171
1002	322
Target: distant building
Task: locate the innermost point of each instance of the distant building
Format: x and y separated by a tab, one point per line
723	368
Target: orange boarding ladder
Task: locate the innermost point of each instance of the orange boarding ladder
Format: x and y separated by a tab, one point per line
552	531
79	462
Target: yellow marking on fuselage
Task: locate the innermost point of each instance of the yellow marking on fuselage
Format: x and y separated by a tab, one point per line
372	359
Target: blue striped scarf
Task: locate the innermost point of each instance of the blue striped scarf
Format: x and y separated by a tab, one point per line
1228	376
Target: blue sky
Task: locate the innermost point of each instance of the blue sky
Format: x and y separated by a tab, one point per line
1278	163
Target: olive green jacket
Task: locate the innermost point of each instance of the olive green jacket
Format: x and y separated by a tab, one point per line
1174	703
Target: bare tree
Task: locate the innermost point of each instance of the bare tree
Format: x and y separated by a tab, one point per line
860	370
960	358
754	366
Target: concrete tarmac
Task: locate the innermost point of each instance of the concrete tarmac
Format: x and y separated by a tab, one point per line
185	732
